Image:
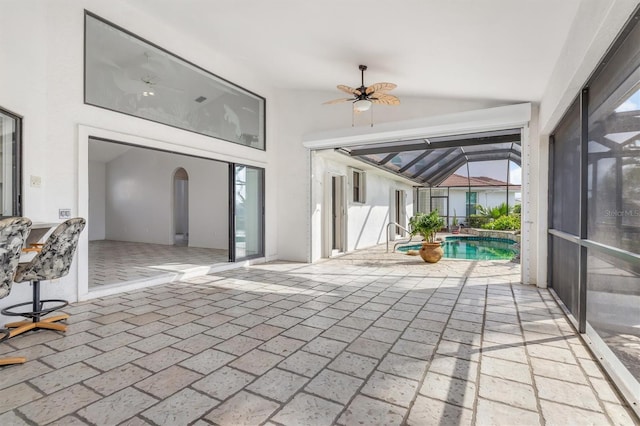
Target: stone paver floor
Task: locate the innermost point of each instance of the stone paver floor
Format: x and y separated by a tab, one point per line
365	339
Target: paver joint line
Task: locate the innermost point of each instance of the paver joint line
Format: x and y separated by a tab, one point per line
401	345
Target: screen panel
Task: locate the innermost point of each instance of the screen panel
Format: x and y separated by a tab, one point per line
566	176
613	306
565	272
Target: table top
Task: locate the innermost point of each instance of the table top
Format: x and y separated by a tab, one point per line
39	225
38	231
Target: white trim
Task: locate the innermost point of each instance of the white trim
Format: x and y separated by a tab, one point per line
499	118
327	249
626	384
164	145
133	285
621	377
83	210
530	221
86	132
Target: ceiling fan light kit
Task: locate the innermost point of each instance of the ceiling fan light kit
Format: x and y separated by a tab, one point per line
362	105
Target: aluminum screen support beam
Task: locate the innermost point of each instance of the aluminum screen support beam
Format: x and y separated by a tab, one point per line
584	187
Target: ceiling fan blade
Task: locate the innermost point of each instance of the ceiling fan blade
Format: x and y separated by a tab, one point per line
384	99
380	87
349	90
337	101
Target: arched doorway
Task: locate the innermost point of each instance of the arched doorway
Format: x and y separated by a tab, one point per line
181	207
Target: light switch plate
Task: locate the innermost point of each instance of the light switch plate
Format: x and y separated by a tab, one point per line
64	213
36	181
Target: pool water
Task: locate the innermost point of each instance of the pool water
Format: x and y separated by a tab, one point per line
474	248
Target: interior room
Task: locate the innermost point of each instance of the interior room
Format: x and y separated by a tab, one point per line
154	213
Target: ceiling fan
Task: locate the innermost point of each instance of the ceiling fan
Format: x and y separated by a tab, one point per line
140	75
364	97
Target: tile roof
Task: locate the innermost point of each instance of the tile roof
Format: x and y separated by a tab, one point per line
458	180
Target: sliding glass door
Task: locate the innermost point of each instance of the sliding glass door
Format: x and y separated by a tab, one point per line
594	220
247	212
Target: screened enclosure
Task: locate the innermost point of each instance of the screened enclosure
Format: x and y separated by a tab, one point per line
453	174
594	212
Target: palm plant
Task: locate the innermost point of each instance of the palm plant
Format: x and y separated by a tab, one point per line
426	224
494	212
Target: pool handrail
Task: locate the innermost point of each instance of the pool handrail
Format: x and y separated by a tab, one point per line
400	242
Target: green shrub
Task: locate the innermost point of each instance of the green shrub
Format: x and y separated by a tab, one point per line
477	221
504	223
494	212
517	208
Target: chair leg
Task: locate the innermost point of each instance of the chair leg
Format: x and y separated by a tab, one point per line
48	323
17	324
37	306
22	329
10	360
55	318
37	321
50	326
13	360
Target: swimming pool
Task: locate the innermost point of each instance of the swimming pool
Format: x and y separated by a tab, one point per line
474	248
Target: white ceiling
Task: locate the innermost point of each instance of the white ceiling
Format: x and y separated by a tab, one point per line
476	49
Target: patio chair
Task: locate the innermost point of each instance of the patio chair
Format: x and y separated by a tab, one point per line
52	262
13	233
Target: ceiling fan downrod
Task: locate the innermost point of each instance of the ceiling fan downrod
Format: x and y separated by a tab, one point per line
362	68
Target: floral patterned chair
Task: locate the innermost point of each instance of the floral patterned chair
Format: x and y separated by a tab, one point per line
52	262
13	233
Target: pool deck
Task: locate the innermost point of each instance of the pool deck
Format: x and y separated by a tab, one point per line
369	338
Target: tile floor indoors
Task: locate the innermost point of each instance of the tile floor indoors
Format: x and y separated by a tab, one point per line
368	338
112	262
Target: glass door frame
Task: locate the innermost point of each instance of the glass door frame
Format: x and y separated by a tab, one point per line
443	215
16	164
232	213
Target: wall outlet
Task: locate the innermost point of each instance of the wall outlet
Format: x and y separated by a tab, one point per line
36	181
64	213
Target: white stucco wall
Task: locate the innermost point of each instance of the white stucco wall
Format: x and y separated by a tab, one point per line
97	200
365	222
41	79
139	198
486	198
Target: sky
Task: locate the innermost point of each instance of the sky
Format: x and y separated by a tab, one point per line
493	169
630	104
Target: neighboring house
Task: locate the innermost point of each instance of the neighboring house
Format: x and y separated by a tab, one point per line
458	195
